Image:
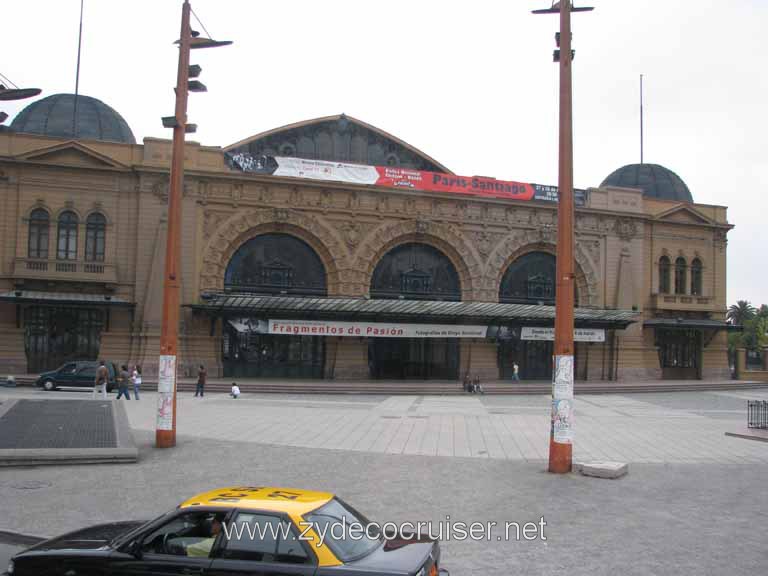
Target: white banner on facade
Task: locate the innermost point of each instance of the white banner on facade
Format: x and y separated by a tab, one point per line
320	170
374	329
579	334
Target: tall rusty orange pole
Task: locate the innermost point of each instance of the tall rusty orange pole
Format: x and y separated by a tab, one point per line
165	435
561	429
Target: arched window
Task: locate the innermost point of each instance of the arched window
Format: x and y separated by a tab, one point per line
39	226
415	271
66	247
696	280
664	268
95	233
530	279
680	273
276	264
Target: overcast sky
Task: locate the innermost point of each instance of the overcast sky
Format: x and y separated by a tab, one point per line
472	84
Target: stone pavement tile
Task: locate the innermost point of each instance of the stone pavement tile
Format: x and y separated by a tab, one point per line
491	438
477	447
399	440
445	440
391	426
506	438
365	441
431	437
416	437
460	436
345	428
354	434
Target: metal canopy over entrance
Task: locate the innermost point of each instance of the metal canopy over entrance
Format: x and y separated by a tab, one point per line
61	326
681	343
492	313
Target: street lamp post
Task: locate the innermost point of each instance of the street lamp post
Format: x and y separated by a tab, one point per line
165	434
561	430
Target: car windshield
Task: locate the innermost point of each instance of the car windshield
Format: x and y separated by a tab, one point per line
349	534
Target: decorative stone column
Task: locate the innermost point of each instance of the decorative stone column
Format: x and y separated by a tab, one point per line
741	362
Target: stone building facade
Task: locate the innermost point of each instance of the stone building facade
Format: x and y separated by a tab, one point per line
82	222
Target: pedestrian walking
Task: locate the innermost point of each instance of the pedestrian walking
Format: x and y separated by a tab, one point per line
136	379
515	371
235	393
100	382
122	382
201	376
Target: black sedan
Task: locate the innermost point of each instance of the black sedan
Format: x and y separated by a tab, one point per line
237	531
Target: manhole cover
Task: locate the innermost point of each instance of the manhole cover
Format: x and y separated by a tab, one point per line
30	485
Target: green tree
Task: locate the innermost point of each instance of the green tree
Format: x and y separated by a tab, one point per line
740	312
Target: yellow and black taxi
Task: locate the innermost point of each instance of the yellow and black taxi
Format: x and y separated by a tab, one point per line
236	531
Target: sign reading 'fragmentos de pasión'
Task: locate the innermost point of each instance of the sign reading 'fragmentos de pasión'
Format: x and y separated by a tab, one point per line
374	329
394	177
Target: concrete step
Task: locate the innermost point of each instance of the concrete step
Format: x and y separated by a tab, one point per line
421	387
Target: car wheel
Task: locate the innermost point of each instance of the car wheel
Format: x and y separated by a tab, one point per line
49	385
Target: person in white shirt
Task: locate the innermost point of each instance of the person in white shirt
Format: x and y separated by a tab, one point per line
235	390
515	371
136	379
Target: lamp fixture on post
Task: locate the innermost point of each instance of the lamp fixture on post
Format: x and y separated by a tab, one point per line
561	429
165	434
14	93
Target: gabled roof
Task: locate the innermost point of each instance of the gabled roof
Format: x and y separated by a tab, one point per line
684	214
338	118
72	153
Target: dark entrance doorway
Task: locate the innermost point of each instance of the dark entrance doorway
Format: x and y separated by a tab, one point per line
414	358
54	335
679	353
248	354
274	264
533	357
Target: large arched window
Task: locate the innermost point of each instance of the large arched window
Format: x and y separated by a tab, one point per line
66	246
39	228
681	268
530	279
415	272
276	264
696	277
95	233
665	266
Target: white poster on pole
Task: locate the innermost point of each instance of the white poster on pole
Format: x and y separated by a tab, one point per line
166	373
562	421
563	378
166	384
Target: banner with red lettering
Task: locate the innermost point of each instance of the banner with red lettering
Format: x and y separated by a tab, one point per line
395	177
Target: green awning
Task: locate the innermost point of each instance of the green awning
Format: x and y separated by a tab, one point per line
227	304
688	323
63	298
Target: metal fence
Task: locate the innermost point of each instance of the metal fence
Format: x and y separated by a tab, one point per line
757	414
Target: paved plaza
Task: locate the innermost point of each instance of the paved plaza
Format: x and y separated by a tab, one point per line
694	501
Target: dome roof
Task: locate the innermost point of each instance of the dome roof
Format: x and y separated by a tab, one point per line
52	116
655	181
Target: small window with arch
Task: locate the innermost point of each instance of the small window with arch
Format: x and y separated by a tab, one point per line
664	269
696	277
95	237
39	230
681	269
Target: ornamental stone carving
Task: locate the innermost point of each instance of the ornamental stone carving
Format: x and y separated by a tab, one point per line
445	237
520	242
230	233
625	228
